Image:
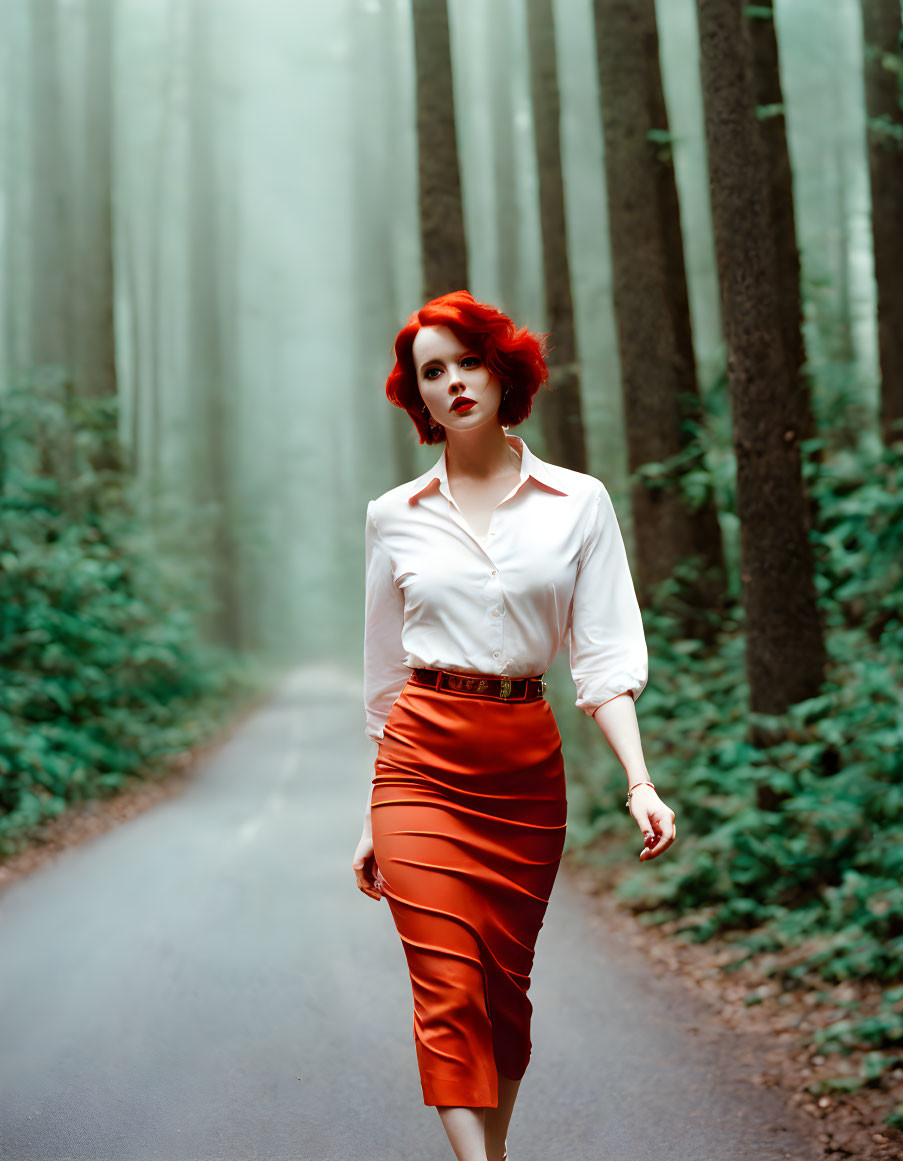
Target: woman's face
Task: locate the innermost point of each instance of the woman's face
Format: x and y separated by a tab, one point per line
447	370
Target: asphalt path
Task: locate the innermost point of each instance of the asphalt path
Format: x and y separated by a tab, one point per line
206	983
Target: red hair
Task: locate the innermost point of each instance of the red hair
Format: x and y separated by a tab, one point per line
513	354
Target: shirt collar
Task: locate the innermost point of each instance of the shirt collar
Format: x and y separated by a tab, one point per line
531	466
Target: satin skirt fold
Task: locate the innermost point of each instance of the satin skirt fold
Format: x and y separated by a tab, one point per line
469	815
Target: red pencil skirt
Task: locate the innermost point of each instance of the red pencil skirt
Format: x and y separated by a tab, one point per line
469	816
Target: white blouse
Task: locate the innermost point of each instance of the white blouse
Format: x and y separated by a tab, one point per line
552	570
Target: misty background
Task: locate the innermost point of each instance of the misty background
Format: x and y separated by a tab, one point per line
266	249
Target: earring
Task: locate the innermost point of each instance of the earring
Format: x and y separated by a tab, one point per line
432	423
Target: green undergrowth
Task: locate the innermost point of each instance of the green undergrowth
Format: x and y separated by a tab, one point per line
103	674
798	845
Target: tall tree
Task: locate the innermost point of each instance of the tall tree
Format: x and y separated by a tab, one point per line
151	418
51	324
560	412
785	652
375	165
97	343
652	310
779	183
501	124
209	374
883	75
15	144
444	245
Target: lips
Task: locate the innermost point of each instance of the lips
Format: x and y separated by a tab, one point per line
462	404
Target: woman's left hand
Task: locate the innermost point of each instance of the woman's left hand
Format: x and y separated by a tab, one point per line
655	819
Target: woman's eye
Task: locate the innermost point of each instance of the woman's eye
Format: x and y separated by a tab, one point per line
471	359
428	373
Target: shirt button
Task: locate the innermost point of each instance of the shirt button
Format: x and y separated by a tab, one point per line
494	572
496	655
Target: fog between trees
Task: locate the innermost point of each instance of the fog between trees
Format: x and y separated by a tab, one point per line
211	210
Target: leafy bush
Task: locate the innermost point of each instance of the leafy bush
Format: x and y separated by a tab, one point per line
102	671
828	855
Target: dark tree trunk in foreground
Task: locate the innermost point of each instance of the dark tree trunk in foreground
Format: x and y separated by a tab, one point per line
785	653
658	367
441	213
560	412
769	97
883	62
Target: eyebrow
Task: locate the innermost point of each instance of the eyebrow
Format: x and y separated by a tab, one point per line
436	359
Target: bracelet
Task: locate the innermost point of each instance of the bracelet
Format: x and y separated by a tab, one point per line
632	788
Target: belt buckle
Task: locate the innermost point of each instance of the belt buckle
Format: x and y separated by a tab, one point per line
464	684
506	687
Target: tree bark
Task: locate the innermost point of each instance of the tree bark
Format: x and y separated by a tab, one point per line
503	154
375	197
658	366
779	181
97	364
785	652
560	411
883	64
209	378
51	325
444	245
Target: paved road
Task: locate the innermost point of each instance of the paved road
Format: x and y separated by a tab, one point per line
205	983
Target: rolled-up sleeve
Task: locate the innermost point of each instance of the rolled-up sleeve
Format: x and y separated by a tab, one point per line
385	672
606	642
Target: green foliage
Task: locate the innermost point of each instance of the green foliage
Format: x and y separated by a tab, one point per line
795	847
102	673
885	130
826	854
766	112
758	12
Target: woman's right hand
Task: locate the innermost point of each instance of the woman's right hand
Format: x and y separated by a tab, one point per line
365	868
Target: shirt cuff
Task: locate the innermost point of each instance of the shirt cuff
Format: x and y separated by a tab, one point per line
590	705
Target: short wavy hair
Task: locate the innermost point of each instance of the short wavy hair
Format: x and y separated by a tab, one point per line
515	355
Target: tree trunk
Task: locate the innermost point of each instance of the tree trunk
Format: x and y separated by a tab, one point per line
97	364
769	98
658	366
157	332
444	245
504	167
14	218
785	653
51	326
560	411
208	378
375	198
883	64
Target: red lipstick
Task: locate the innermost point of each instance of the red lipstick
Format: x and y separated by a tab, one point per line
462	404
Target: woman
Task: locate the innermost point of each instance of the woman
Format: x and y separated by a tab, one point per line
478	572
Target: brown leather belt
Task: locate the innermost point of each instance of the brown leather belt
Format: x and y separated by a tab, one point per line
482	684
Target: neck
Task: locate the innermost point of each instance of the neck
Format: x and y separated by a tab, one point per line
480	454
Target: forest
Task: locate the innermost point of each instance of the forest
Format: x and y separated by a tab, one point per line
215	218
